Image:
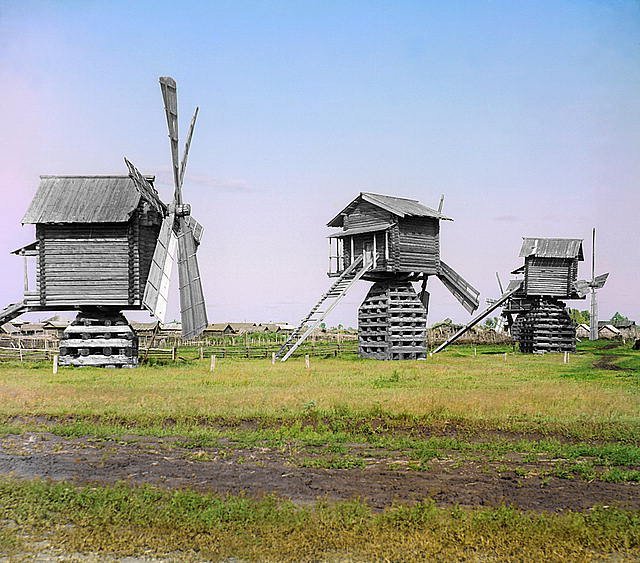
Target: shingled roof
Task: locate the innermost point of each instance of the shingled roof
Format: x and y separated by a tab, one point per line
85	199
552	248
399	206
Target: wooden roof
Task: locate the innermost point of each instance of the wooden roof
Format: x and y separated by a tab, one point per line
552	248
84	199
399	206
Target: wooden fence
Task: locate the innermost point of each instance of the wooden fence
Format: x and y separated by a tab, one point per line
318	349
37	349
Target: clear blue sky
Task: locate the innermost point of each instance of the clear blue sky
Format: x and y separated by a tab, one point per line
525	114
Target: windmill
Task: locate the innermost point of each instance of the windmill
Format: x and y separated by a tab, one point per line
536	316
179	229
105	244
393	242
597	282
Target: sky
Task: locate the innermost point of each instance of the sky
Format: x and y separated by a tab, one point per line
526	115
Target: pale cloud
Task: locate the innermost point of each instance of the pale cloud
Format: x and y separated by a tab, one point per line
164	178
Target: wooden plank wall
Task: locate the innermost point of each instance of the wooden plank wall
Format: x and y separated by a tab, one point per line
84	264
148	223
549	276
368	215
419	245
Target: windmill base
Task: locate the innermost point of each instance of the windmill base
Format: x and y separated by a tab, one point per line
547	327
392	323
99	338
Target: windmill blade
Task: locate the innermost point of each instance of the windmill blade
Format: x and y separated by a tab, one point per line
599	281
156	291
192	307
499	283
170	97
462	290
196	228
147	191
187	145
581	287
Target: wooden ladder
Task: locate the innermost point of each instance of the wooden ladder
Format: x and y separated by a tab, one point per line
325	305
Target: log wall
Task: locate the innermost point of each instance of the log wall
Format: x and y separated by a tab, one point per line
96	264
84	264
368	215
419	245
550	276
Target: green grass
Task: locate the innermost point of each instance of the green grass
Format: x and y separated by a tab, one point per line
527	393
181	525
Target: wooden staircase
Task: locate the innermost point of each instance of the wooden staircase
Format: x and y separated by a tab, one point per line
325	305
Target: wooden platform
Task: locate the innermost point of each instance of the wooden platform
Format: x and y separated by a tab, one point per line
100	339
547	327
392	323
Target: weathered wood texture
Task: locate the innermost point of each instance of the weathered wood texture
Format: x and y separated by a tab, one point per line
368	215
84	264
95	264
550	276
418	245
410	245
392	323
547	327
98	338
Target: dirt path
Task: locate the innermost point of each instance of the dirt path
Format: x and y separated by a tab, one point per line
385	479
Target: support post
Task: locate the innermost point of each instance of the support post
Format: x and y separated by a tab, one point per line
593	324
386	246
212	367
26	274
375	250
55	364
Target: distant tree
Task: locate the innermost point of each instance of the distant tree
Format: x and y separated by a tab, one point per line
323	326
491	322
579	317
617	318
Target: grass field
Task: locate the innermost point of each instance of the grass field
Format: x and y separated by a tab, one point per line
472	415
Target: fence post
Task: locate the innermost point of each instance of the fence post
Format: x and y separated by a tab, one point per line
55	364
213	363
505	356
306	361
201	353
565	360
173	353
273	358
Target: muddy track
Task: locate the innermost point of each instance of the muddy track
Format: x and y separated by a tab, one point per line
385	479
608	362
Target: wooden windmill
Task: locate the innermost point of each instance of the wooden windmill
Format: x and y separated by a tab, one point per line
105	244
597	282
534	303
392	242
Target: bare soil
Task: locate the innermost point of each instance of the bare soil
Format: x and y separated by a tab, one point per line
608	362
385	479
